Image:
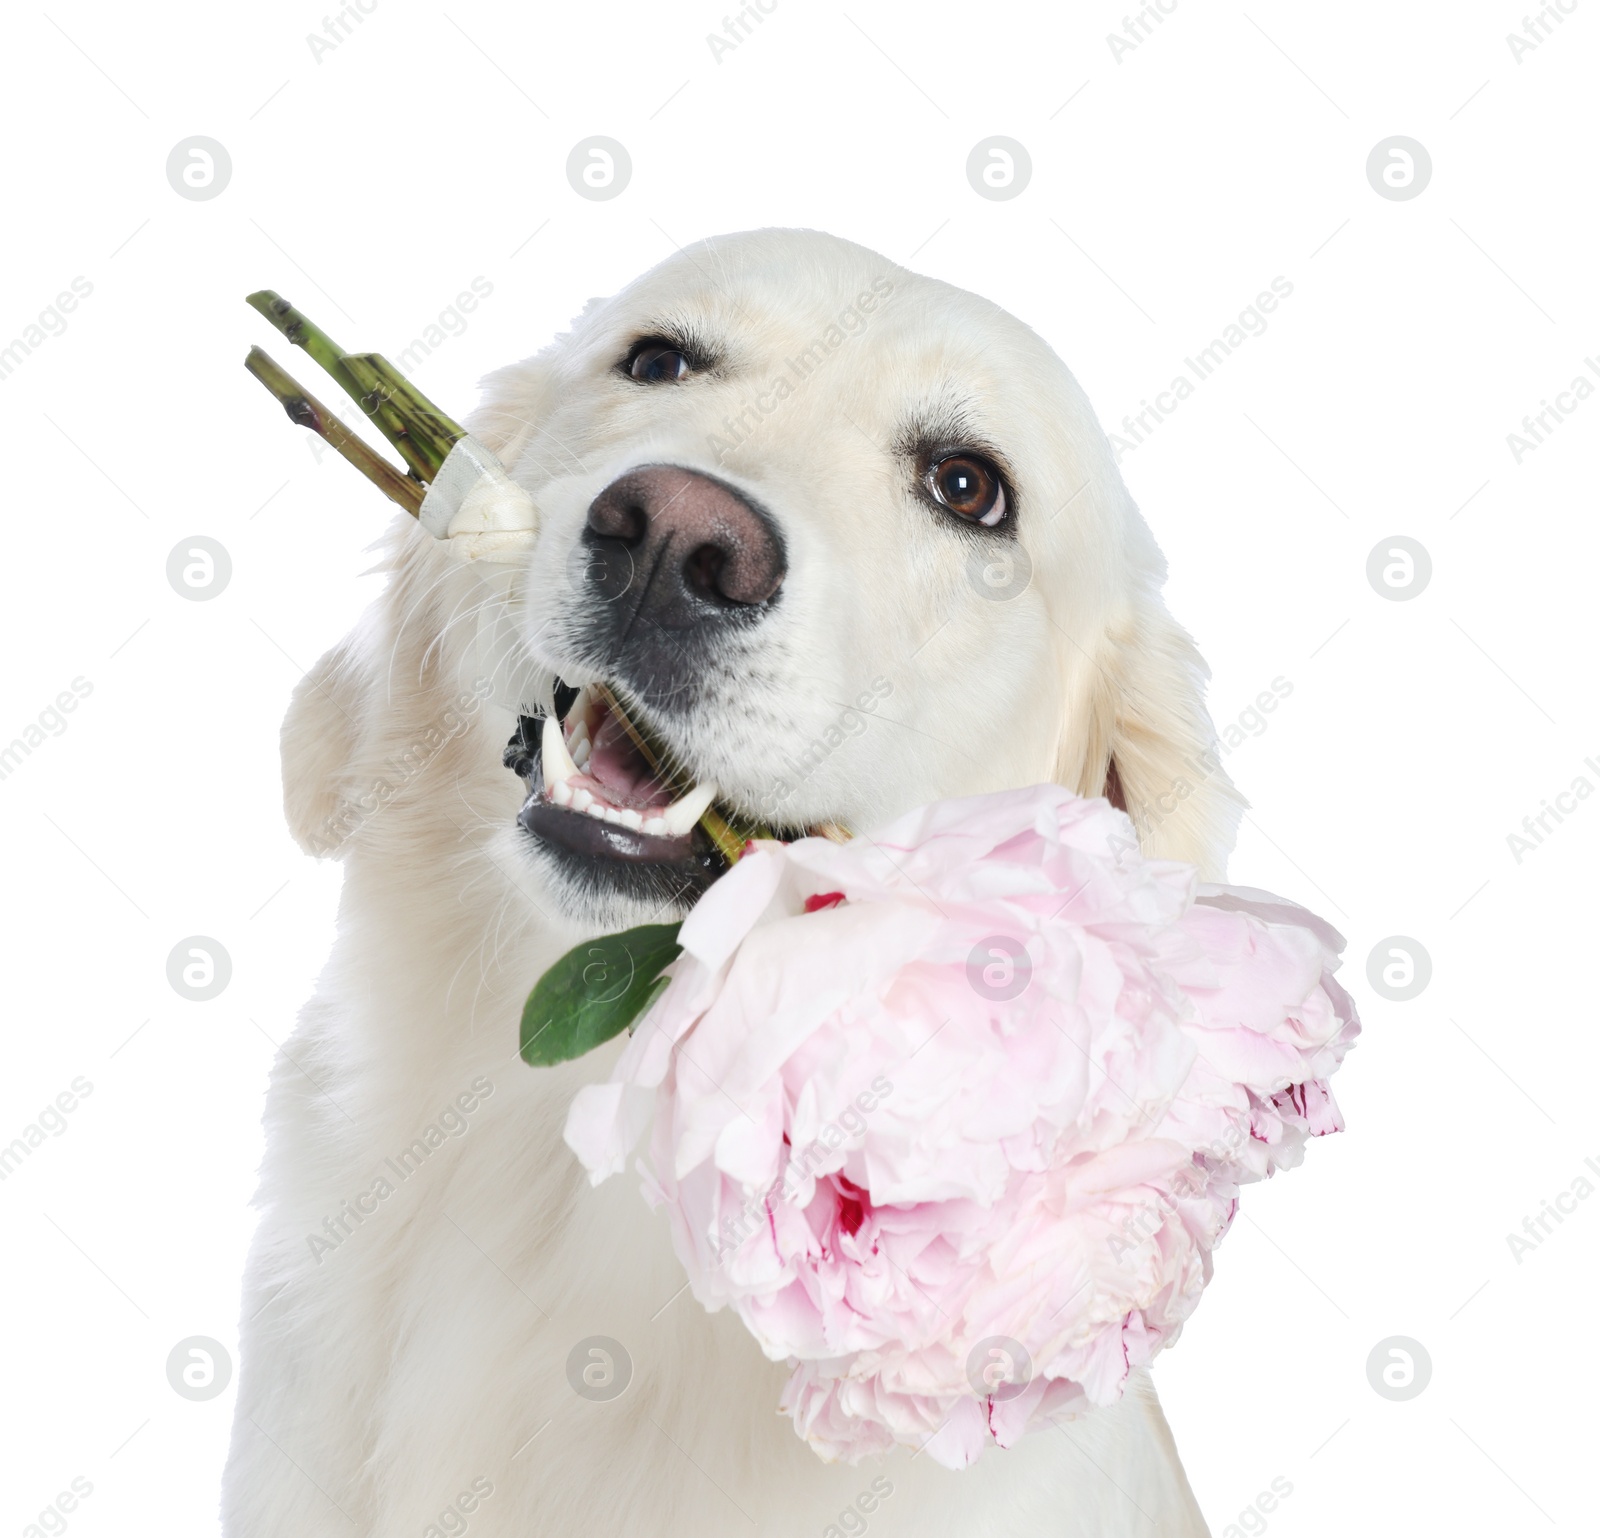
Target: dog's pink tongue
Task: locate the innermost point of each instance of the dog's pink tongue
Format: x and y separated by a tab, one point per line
620	770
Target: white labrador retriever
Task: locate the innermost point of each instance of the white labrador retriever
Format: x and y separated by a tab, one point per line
847	540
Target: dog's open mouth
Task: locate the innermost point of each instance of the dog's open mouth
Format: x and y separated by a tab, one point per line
613	806
598	788
610	805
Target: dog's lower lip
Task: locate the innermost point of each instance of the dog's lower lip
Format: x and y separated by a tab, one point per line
600	840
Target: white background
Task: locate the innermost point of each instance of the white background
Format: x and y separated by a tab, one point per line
1168	188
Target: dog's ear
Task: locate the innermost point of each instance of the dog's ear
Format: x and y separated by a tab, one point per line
1140	734
319	742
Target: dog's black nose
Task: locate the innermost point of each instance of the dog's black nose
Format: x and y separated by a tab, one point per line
676	549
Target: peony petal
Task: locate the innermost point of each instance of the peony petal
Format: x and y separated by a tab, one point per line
883	1150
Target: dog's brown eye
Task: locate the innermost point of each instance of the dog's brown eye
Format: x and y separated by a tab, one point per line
657	363
969	487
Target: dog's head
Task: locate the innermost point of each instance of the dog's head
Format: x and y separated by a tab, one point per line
835	540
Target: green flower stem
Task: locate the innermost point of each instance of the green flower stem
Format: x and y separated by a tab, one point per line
304	409
427	429
413	424
730	841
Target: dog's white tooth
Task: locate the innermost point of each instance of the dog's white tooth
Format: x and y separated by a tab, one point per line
685	812
656	825
580	753
595	809
557	762
561	793
581	799
631	819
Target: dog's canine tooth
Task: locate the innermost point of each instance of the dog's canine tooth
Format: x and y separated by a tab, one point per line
557	762
686	811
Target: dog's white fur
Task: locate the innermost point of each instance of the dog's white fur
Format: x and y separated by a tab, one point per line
383	1374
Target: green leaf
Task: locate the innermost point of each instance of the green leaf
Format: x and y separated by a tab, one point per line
597	990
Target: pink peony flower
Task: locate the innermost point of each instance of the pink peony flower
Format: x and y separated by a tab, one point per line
954	1116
